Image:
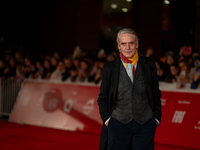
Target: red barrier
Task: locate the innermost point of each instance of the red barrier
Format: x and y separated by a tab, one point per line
74	107
180	124
62	106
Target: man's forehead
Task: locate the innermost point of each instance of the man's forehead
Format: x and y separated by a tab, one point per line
126	38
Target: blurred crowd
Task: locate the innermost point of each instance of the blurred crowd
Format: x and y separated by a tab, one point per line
180	68
81	66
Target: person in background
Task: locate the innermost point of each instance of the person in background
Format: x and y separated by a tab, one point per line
195	54
83	71
46	72
75	70
10	70
184	74
19	71
101	54
38	70
172	77
54	63
57	74
190	62
160	70
56	55
195	65
2	67
77	53
76	63
149	52
180	58
171	52
97	77
7	58
110	57
18	57
185	51
28	67
115	54
169	61
196	81
93	71
70	69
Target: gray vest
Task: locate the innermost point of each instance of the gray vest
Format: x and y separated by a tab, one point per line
132	102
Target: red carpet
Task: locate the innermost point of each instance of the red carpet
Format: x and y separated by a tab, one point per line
26	137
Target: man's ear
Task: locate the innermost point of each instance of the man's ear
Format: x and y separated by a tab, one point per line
137	45
118	46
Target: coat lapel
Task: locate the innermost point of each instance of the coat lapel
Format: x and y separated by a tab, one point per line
123	72
137	72
146	72
115	77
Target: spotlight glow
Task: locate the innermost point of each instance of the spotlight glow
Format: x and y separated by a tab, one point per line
167	2
124	10
129	0
113	6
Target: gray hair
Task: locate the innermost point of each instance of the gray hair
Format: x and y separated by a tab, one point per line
127	30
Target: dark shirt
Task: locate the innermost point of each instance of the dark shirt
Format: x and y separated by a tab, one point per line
11	72
194	85
169	78
66	74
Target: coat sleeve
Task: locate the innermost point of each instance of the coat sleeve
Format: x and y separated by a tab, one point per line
103	95
156	93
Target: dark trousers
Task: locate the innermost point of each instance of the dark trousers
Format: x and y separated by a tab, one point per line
132	135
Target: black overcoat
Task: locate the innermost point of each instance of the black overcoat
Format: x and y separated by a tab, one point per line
108	91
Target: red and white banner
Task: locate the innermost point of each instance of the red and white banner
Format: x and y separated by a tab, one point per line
180	124
62	106
74	107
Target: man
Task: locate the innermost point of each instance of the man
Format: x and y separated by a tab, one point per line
129	98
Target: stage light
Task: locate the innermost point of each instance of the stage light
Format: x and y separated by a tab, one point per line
124	9
167	2
129	0
113	6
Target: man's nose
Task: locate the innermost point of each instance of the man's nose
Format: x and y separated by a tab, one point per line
128	46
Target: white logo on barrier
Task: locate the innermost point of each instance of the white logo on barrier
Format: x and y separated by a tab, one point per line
184	102
163	101
53	103
68	105
178	116
197	127
88	107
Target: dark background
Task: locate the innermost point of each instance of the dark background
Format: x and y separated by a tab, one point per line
49	26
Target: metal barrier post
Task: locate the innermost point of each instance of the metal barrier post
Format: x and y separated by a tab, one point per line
9	89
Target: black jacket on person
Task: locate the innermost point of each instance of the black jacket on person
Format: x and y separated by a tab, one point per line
109	86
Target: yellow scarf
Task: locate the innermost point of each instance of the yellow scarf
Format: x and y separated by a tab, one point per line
134	59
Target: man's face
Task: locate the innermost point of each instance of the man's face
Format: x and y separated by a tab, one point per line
170	60
183	66
127	44
173	70
68	63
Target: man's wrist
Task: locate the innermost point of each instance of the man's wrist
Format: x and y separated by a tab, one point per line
158	122
106	123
